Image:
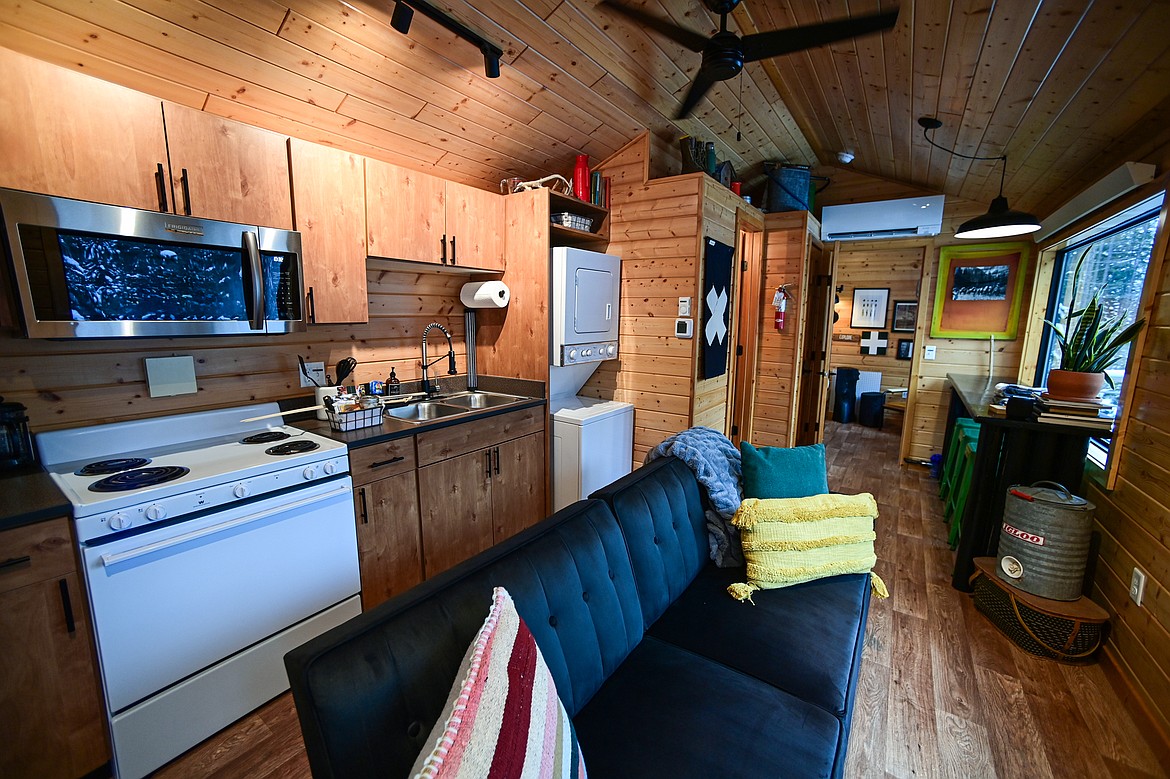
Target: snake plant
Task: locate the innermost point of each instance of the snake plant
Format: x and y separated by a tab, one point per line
1090	342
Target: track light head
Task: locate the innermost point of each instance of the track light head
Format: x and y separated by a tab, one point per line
491	64
400	18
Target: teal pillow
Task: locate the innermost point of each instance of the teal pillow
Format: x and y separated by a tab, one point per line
773	472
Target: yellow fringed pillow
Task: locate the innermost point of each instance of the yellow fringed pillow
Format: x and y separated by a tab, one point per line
788	541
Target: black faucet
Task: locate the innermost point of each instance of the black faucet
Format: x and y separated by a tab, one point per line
429	387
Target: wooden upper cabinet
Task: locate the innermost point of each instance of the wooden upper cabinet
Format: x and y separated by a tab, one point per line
475	220
65	134
404	213
329	209
221	169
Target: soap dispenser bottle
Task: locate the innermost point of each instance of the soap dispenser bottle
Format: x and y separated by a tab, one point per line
393	385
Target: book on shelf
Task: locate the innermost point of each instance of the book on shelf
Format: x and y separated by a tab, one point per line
1097	403
1090	423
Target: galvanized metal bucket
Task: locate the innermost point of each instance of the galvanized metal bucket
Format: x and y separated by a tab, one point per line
1044	541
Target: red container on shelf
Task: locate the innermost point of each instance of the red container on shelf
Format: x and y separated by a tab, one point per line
581	177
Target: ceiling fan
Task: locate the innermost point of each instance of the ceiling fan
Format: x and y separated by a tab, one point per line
725	53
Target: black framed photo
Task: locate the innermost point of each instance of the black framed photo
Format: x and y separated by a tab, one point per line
905	316
905	348
869	308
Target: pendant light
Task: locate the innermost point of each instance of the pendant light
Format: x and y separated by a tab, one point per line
1000	221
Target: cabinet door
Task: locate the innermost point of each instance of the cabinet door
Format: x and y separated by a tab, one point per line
517	485
389	541
50	712
329	208
404	213
475	222
456	501
70	135
226	170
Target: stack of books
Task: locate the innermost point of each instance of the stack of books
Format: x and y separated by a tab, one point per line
1091	414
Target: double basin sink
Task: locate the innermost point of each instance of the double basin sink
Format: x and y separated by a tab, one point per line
429	410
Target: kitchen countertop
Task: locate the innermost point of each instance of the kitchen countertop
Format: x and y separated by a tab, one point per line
30	496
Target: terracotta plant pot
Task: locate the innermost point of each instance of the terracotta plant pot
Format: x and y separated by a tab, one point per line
1074	385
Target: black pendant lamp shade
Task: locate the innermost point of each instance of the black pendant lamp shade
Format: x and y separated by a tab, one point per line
1000	221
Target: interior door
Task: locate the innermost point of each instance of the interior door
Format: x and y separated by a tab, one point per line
813	387
742	385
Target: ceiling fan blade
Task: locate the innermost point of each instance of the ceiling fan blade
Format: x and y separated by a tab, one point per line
772	44
699	87
680	35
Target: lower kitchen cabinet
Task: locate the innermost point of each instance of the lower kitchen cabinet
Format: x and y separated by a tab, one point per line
50	710
456	496
518	485
386	505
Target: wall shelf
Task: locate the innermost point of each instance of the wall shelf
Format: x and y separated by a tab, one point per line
559	235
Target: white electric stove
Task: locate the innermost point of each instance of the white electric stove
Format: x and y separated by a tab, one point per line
211	546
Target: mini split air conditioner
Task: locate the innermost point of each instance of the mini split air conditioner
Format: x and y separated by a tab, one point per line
903	218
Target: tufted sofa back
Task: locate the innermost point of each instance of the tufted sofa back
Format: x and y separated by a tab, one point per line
661	515
369	691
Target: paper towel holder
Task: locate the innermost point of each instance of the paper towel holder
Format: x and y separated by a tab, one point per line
485	294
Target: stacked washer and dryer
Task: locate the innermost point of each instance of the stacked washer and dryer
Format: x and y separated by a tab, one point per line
592	439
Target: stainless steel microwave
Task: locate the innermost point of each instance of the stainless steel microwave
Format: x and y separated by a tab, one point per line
87	270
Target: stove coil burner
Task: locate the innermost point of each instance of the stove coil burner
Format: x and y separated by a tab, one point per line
266	437
140	477
103	467
292	447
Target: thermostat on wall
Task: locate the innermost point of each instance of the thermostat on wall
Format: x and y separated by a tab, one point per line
684	328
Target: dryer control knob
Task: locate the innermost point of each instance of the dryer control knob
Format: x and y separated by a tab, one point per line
610	351
572	355
241	491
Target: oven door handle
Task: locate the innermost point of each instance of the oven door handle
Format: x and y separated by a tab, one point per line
118	558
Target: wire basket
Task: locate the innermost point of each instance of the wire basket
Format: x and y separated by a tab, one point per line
344	421
575	221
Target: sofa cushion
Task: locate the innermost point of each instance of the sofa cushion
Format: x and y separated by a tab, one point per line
503	716
779	472
703	719
804	639
661	514
369	691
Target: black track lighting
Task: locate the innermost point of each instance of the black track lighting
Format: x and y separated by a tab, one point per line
400	18
404	10
999	221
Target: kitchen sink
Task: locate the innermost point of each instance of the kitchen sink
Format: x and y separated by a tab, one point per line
424	411
477	400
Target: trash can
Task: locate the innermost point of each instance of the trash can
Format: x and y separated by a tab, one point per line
870	408
1044	540
845	394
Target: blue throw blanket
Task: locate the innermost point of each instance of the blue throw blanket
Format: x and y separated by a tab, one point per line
717	466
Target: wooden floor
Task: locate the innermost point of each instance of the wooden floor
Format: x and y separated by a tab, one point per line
941	694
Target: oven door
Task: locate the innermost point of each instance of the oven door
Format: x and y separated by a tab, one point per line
175	600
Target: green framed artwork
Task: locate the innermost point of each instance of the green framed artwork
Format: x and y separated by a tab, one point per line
980	289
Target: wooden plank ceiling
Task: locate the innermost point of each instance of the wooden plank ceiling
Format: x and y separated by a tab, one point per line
1068	89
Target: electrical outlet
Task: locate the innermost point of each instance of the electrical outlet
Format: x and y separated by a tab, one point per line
317	371
928	353
1137	586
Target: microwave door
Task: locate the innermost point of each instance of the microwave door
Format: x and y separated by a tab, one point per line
592	302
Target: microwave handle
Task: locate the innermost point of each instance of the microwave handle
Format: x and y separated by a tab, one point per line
254	269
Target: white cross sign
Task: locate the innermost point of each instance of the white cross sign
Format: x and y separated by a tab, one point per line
873	342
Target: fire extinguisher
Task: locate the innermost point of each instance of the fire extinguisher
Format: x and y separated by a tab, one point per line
780	302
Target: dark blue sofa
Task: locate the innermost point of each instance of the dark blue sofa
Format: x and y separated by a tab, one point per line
663	673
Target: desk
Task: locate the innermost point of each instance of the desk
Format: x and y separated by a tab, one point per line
1010	452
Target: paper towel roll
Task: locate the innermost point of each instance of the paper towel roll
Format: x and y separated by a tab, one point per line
485	294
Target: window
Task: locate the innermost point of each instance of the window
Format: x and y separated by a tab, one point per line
1116	257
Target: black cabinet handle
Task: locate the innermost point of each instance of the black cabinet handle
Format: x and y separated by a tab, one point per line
497	451
67	605
365	510
391	461
443	249
12	562
488	471
186	193
452	250
312	308
160	183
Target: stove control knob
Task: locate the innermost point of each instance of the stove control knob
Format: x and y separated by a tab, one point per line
120	521
329	467
155	512
241	491
310	472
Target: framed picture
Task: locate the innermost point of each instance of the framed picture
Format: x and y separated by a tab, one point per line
980	289
905	316
905	349
869	308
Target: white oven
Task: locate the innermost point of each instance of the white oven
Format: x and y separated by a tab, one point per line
586	295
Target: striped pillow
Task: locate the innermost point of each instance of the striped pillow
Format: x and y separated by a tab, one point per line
503	717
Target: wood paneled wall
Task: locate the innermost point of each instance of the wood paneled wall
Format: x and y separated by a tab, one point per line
71	383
